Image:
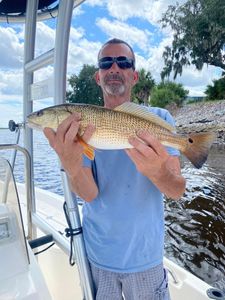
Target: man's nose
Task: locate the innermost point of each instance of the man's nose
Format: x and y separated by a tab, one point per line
114	68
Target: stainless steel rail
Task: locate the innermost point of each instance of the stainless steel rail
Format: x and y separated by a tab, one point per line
29	183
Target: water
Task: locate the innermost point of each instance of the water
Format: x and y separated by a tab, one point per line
195	225
46	165
195	235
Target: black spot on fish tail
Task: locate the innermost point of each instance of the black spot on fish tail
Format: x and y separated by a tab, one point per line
198	147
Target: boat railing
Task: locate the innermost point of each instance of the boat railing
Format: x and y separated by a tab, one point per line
13	127
33	218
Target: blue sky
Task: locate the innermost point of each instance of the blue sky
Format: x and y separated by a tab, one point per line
94	22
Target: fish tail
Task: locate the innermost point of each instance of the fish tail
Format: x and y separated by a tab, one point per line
198	146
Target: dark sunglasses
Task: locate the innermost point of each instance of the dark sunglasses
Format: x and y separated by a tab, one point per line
123	62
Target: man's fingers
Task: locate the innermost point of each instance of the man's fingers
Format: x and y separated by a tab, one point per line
50	135
65	125
71	134
152	141
88	132
144	149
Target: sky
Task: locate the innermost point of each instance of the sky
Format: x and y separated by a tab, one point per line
93	23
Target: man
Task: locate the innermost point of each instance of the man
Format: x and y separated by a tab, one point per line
123	219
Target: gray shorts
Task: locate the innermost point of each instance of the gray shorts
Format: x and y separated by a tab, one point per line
151	284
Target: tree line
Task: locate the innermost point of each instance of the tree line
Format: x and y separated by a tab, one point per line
83	89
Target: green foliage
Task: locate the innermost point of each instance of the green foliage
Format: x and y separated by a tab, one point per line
217	90
199	35
84	87
168	92
141	91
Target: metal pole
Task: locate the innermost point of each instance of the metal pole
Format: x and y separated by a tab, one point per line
29	46
12	163
78	244
60	68
61	49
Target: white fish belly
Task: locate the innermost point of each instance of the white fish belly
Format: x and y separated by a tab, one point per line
109	144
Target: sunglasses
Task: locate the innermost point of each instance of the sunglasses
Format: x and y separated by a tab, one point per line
123	62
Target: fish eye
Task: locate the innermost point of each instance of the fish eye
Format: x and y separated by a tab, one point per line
39	113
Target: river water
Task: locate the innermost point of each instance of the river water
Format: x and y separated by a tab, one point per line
195	225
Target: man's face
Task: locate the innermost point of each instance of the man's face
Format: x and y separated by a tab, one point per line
116	81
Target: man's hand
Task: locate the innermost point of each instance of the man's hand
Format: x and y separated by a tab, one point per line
148	154
153	161
64	142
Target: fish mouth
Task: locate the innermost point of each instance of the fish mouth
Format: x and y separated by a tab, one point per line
33	125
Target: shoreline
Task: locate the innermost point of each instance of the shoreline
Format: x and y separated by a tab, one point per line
201	117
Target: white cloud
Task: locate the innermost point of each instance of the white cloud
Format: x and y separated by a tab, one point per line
155	59
12	109
77	11
150	10
45	38
131	34
11	50
196	81
76	34
11	82
96	2
83	52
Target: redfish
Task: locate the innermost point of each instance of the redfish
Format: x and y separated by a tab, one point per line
115	126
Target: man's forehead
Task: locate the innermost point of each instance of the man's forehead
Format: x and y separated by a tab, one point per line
115	50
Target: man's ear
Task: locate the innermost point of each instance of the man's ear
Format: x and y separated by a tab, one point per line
136	77
97	79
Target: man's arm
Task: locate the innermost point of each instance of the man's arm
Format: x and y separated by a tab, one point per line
153	161
70	151
84	184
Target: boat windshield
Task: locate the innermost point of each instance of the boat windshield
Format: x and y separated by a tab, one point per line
9	196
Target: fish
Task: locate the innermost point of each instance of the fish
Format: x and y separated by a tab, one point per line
114	127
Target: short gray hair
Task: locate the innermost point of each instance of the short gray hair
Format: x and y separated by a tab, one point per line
117	41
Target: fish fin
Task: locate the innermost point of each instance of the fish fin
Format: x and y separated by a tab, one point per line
198	147
142	112
88	150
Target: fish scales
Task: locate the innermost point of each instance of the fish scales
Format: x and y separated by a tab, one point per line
113	128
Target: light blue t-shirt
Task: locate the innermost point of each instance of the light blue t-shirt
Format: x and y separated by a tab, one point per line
123	227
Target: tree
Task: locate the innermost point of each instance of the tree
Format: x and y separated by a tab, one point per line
141	91
199	35
85	89
217	90
168	92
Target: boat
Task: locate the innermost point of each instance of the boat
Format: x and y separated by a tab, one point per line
42	253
